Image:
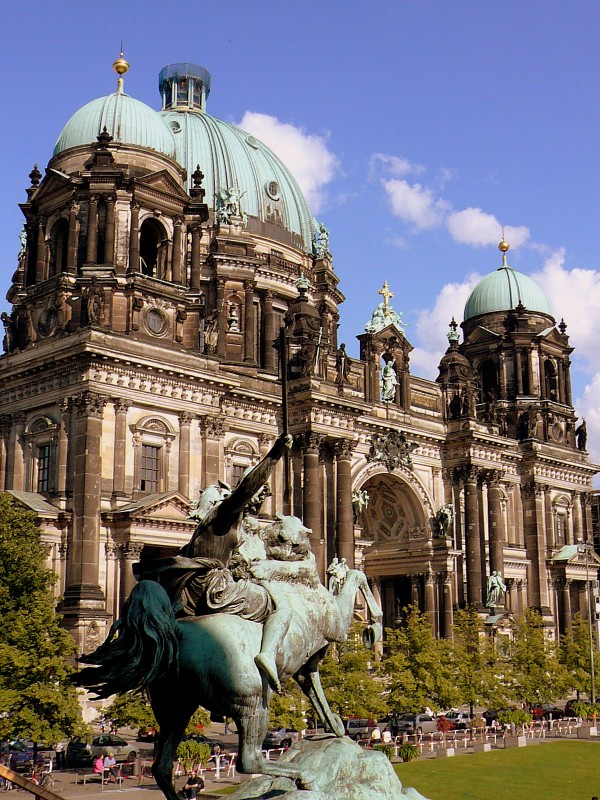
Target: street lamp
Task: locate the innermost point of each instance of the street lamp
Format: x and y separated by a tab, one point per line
584	547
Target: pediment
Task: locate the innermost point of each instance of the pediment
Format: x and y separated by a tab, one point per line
166	507
552	336
393	332
163	181
53	183
481	334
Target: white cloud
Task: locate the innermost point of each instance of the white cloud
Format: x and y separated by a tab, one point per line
475	227
305	154
414	203
393	165
432	326
588	406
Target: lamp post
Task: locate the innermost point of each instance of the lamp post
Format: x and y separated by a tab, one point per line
584	547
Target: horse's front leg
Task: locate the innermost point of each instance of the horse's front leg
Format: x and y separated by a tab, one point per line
309	680
252	729
172	715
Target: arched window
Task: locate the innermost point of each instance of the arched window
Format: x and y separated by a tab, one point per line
550	380
489	381
152	248
41	438
59	239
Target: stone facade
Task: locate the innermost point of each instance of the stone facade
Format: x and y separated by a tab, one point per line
140	367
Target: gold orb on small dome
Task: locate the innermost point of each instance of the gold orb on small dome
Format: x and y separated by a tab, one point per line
504	246
121	66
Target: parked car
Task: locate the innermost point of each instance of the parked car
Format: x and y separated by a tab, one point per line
216	745
358	728
279	738
416	723
492	714
81	752
546	711
18	755
459	719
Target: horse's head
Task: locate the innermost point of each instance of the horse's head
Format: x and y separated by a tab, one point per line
210	497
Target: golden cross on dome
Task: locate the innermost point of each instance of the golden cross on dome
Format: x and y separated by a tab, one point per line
385	291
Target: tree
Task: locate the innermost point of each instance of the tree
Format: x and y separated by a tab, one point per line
131	710
346	677
475	663
535	673
289	709
417	667
574	655
36	699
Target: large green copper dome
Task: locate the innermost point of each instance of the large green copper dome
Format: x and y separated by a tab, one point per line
129	121
504	290
229	156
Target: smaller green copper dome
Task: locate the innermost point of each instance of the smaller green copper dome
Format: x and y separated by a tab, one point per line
503	290
129	121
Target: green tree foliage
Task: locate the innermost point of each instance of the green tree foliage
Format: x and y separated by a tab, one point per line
131	710
193	754
417	667
476	663
36	699
345	674
289	709
533	670
200	720
574	655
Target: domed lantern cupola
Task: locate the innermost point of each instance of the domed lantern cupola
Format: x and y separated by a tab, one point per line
184	86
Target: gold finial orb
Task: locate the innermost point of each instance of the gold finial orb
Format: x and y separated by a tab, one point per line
504	246
121	66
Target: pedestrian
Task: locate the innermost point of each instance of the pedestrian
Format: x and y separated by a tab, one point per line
110	768
194	784
60	755
227	730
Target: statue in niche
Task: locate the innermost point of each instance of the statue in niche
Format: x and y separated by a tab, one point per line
93	298
467	402
389	381
581	435
342	365
490	405
211	332
233	321
360	503
533	418
454	406
443	519
496	589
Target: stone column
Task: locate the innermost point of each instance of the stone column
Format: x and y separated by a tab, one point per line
312	505
91	254
569	397
177	251
535	543
448	604
430	601
496	522
213	429
134	238
472	538
64	438
550	538
185	422
566	605
249	321
16	453
195	258
83	592
344	516
577	517
5	426
502	374
130	554
519	372
222	340
562	393
120	446
109	231
73	238
40	262
269	332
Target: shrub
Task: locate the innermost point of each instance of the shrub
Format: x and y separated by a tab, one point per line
444	724
192	753
408	752
387	749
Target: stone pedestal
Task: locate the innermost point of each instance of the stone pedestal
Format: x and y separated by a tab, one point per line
337	767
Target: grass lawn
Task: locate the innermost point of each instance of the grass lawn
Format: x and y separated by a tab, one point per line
551	771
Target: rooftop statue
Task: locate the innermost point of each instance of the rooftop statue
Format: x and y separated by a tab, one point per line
321	241
225	622
229	209
384	314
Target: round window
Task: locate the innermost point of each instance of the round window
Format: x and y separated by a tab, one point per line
272	189
250	140
175	126
156	322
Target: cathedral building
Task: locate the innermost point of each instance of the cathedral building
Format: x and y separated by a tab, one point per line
162	254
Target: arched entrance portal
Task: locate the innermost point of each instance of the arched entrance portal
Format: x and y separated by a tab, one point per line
402	563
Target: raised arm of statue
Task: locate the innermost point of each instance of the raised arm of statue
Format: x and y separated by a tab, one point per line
232	506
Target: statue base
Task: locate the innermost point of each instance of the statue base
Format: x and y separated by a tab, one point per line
339	768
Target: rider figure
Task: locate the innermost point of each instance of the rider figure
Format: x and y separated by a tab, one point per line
199	581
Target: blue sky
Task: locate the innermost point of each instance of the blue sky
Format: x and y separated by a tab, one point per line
417	129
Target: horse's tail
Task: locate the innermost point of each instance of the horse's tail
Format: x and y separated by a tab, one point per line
140	648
